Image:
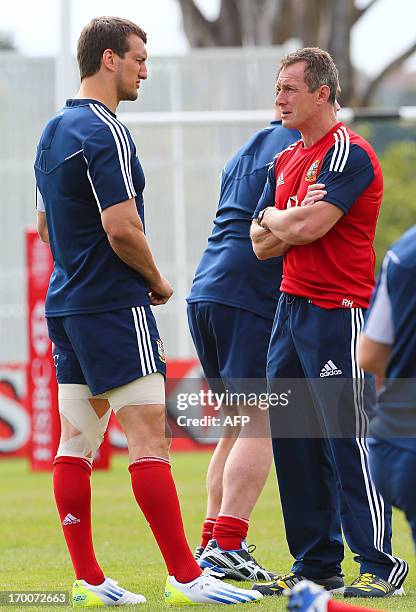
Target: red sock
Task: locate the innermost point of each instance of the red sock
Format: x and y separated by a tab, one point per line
155	492
335	606
72	489
229	531
207	527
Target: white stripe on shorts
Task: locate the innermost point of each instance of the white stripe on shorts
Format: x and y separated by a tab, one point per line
147	359
139	343
149	354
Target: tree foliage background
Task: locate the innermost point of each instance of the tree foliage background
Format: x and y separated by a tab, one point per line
323	23
327	24
398	210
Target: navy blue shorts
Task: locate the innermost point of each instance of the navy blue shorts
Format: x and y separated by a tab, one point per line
231	344
393	472
106	350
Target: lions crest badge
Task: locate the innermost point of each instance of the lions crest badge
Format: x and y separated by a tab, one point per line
312	173
280	180
161	350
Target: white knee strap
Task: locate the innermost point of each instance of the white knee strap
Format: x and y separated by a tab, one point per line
74	405
148	389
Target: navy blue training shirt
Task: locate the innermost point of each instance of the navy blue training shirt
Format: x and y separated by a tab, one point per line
229	272
85	162
392	320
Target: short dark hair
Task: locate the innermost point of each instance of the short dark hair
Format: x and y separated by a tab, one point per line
103	33
320	69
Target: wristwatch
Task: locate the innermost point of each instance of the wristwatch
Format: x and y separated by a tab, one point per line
261	215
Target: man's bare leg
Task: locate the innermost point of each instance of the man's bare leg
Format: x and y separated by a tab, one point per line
245	473
214	481
247	468
215	473
244	463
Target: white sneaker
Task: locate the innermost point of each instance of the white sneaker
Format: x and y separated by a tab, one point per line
108	593
206	589
307	597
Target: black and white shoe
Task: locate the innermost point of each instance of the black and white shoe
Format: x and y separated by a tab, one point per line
236	564
334	584
370	585
213	571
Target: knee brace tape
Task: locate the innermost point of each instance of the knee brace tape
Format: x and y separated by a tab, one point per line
148	389
74	405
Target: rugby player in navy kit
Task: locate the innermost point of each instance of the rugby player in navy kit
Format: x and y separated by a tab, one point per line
388	349
107	349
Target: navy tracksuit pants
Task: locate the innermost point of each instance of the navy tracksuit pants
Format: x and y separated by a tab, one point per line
319	443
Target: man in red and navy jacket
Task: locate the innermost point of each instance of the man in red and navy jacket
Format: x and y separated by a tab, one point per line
319	210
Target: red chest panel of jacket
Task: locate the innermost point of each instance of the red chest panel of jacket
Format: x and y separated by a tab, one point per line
336	271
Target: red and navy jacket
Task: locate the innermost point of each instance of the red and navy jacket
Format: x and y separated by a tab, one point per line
337	270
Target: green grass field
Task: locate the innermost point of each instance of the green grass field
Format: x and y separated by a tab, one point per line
33	555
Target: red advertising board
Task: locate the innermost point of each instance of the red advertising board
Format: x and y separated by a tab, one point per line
42	391
15	427
42	388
